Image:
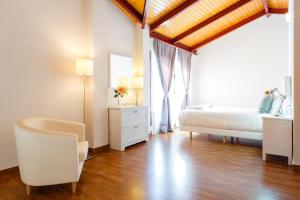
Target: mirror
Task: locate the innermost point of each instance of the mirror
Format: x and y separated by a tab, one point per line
120	66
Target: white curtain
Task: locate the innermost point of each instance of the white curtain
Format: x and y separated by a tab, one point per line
185	59
157	95
165	57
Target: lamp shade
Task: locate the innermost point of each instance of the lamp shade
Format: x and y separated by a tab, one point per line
126	82
84	67
132	82
137	83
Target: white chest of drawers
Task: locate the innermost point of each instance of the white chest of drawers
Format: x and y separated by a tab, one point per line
128	125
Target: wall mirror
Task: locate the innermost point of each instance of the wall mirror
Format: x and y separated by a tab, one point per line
120	66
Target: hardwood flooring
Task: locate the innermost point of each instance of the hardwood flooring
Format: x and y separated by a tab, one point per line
171	166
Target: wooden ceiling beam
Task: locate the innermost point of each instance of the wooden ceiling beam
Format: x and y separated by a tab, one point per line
131	10
230	29
278	10
172	14
210	20
145	13
168	41
266	7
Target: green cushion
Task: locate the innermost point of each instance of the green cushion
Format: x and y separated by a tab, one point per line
266	104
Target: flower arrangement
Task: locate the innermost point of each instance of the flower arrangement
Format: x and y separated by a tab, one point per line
120	92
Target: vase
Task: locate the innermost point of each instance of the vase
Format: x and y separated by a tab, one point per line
118	100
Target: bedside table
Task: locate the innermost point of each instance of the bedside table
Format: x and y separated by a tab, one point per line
278	136
128	125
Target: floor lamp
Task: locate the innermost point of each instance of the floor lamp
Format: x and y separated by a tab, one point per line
84	67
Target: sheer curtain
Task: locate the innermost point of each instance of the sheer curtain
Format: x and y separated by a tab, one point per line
185	59
157	95
176	93
165	57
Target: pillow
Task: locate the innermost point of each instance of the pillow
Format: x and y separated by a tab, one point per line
266	104
277	105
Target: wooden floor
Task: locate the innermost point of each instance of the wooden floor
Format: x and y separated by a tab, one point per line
171	166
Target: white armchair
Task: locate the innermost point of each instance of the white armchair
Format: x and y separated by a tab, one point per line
50	151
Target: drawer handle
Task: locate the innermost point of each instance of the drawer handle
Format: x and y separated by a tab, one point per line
136	127
135	111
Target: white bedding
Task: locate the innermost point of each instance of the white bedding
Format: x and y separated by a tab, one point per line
228	118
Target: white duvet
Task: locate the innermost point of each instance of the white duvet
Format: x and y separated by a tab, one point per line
228	118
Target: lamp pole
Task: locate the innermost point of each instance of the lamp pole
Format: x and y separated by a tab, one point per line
84	67
84	85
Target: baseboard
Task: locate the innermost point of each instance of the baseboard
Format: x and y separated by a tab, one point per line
91	150
98	149
296	168
9	170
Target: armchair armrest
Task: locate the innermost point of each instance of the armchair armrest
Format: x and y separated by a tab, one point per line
68	127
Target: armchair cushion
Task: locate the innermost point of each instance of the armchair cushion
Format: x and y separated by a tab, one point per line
83	150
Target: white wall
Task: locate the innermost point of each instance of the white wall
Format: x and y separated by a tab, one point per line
296	50
114	33
39	42
142	65
236	69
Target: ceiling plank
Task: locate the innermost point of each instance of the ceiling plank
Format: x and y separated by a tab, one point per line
131	10
168	41
230	29
210	20
145	13
278	10
266	7
172	13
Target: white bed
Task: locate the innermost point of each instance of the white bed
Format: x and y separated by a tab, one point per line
224	121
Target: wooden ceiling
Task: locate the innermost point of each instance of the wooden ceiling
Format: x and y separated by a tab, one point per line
190	24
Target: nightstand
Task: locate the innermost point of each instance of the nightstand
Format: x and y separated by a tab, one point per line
128	125
278	136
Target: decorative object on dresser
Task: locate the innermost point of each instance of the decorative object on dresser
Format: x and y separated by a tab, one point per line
128	125
277	136
277	105
120	92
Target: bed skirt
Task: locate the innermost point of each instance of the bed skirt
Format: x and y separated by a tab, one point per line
222	132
